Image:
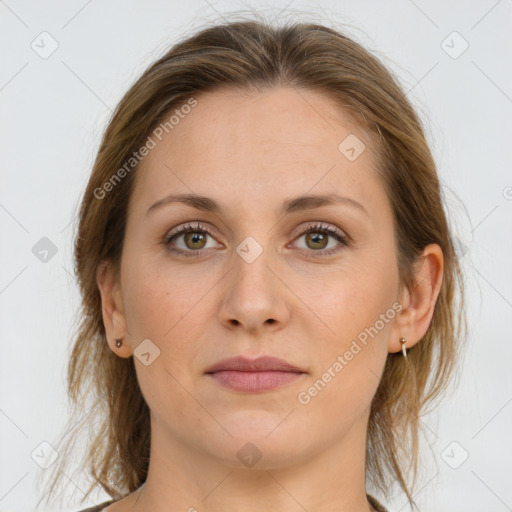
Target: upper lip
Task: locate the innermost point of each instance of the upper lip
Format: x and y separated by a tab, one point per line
260	364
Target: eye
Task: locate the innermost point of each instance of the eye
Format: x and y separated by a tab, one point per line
316	238
189	239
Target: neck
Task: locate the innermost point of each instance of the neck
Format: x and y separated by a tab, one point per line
181	478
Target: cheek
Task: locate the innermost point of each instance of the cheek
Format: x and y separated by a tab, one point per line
353	299
169	308
158	309
347	369
357	307
159	299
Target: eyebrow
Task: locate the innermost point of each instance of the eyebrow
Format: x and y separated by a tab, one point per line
307	202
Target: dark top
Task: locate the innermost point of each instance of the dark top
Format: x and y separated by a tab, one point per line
99	507
373	502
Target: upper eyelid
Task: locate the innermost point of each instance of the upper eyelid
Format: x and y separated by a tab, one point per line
200	226
189	226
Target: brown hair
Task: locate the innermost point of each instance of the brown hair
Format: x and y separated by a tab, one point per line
244	54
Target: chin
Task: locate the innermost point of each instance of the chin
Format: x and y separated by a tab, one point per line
261	442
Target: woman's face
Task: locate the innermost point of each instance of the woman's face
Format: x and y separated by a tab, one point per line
259	276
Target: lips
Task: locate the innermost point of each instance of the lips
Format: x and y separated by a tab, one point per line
261	364
254	375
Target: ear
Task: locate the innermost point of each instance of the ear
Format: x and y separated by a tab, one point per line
112	309
419	300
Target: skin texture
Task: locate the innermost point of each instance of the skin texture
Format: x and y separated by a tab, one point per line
251	151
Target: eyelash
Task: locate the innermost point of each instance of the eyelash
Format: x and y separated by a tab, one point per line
316	228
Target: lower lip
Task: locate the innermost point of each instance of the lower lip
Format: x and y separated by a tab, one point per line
254	382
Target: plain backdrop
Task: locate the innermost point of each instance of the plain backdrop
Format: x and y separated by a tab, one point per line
64	67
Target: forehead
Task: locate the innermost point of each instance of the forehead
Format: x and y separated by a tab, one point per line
264	144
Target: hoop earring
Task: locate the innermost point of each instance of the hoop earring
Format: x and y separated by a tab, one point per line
119	342
404	347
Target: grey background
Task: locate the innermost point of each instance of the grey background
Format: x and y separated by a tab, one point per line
54	110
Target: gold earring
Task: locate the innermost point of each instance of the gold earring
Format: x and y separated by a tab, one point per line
119	342
404	347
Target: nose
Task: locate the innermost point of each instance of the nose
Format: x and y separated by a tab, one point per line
254	296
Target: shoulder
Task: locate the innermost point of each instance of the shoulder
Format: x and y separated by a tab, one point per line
97	508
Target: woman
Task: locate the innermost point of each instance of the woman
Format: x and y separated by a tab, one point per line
268	279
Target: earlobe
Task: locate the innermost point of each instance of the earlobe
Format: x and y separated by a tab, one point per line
112	310
416	314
